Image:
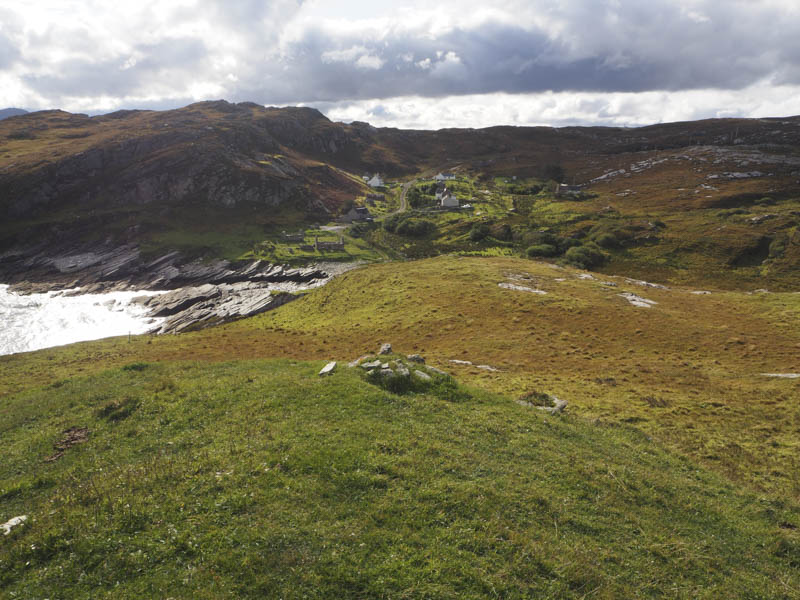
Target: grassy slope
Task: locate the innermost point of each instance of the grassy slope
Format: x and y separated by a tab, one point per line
687	371
258	479
714	238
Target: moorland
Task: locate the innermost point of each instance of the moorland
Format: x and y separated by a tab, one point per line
648	277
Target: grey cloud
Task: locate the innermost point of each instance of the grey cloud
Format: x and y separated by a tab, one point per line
169	60
8	52
598	46
643	47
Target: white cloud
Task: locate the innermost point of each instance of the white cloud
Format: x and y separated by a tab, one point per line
565	109
514	61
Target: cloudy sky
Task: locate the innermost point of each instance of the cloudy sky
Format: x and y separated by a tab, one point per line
422	64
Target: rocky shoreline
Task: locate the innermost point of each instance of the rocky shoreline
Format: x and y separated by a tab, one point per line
199	293
104	268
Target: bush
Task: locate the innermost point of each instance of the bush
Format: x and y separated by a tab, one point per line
501	232
606	240
478	232
542	250
587	256
390	223
360	229
534	238
777	248
415	227
565	244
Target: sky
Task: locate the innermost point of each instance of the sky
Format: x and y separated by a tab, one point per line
411	64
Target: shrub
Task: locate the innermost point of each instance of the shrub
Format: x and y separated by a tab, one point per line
390	223
606	240
777	247
534	238
501	232
565	244
415	227
360	229
542	250
587	256
478	232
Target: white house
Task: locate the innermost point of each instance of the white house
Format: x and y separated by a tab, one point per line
376	181
448	200
441	190
444	176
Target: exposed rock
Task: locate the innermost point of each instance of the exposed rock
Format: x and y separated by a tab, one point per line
375	364
103	267
401	369
542	401
520	288
488	368
11	523
386	372
328	369
207	305
422	376
783	375
385	349
437	371
558	406
637	300
456	361
416	358
357	361
647	284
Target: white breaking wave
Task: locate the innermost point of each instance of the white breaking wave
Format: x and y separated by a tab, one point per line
43	320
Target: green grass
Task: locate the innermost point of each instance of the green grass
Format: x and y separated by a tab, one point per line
258	479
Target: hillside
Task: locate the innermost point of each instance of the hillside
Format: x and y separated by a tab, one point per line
672	473
703	203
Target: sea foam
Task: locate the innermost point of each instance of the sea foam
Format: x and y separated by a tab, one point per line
35	321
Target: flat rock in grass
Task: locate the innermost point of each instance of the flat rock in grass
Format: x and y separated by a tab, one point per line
401	369
375	364
521	288
422	376
456	361
385	349
416	358
488	368
11	523
657	286
638	300
437	371
328	369
783	375
558	406
357	361
386	372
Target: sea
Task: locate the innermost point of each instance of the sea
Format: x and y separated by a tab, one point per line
35	321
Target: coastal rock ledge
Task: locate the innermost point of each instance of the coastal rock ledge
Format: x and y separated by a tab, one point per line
207	305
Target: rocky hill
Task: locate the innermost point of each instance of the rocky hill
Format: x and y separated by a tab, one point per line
72	183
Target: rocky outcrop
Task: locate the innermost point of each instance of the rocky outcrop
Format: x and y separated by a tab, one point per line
102	268
193	308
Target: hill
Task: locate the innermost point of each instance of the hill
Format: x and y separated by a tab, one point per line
672	473
5	113
703	203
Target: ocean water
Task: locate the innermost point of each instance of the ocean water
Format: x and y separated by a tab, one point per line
43	320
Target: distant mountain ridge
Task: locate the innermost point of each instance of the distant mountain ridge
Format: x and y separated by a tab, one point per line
11	112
